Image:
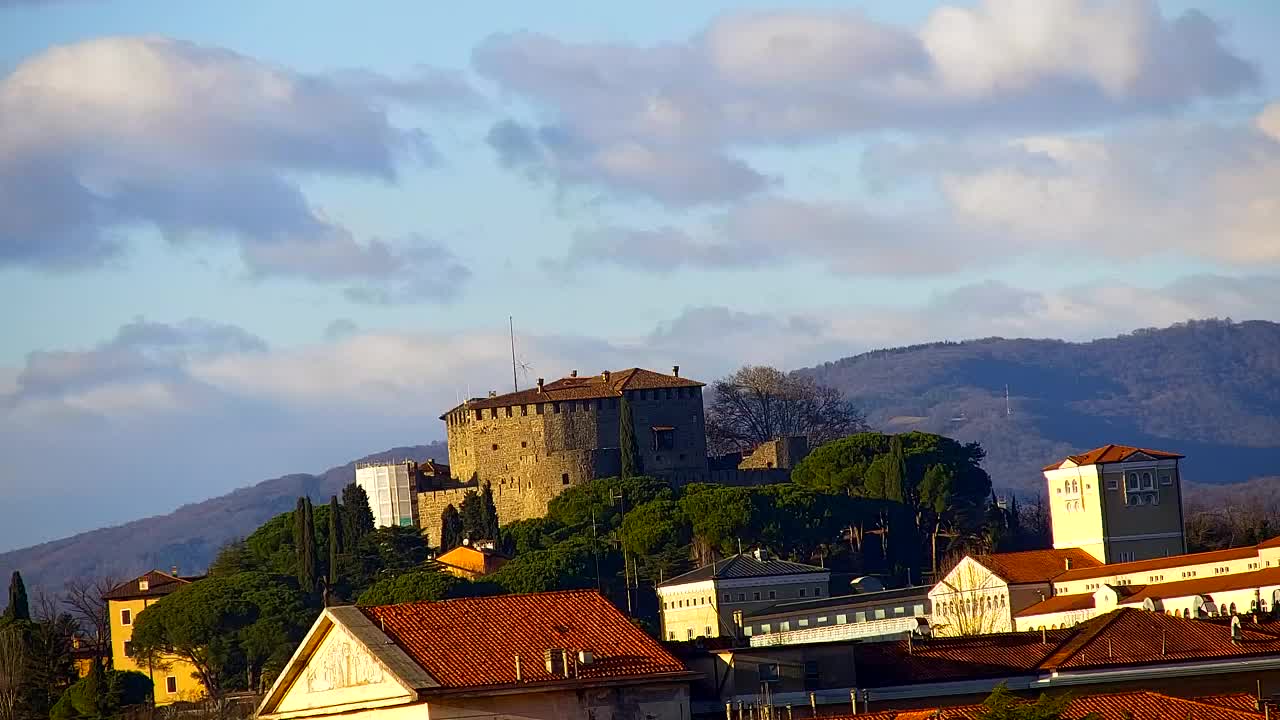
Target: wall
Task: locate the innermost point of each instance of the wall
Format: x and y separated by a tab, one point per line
668	701
691	620
783	453
189	688
514	500
971	600
1075	508
1126	519
904	607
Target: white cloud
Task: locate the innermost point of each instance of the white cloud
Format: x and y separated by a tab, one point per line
196	141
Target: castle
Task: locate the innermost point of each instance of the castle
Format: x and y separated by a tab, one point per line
530	445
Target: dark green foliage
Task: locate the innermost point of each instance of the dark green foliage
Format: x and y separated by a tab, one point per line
523	536
895	472
18	607
488	514
102	694
304	543
334	540
472	516
50	668
569	564
632	464
574	507
719	515
234	557
451	532
658	534
419	585
357	514
1002	704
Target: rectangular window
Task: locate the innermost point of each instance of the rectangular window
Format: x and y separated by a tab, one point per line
539	408
879	613
918	610
766	628
773	595
126	617
1166	479
860	616
524	410
784	626
524	443
756	596
689	633
899	610
508	412
664	438
842	619
817	592
1113	484
671	634
747	631
803	622
802	592
812	678
171	685
495	446
708	631
823	620
564	478
742	597
128	648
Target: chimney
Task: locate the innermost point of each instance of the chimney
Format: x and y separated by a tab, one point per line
573	373
675	370
555	661
1067	562
174	570
539	384
605	375
493	393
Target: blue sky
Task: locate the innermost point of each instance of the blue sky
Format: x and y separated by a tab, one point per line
244	239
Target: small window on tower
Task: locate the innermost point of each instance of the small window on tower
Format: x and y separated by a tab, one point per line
564	478
664	438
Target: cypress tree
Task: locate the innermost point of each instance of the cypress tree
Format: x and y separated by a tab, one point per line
357	514
895	473
473	522
488	514
19	608
631	463
335	540
450	528
309	545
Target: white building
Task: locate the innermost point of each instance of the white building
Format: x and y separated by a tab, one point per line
393	492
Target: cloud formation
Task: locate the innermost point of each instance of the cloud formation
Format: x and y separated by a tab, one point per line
199	142
660	121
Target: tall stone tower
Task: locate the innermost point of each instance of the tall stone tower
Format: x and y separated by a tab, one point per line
1117	503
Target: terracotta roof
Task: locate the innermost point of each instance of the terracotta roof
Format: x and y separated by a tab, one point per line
1059	603
1239	701
159	584
884	664
1133	705
473	559
1032	566
473	642
583	388
1207	585
1129	636
1173	561
1113	454
743	566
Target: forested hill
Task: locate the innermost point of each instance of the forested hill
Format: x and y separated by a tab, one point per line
188	537
1208	389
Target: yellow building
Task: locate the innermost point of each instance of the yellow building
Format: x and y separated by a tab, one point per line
712	600
1117	503
172	678
471	561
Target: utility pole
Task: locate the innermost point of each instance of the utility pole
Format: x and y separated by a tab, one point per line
620	496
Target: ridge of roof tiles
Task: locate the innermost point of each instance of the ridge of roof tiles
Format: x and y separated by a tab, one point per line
1128	705
583	387
1112	454
159	584
1030	566
474	642
1172	561
743	566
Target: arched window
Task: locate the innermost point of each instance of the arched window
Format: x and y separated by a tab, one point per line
1233	608
1131	482
1066	486
1151	499
1186	613
1147	482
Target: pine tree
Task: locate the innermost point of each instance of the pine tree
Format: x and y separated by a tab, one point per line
357	514
335	540
18	608
488	514
631	462
450	528
896	472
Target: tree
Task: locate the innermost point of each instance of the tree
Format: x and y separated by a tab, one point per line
895	472
13	670
1004	705
304	543
472	515
451	532
356	513
488	514
85	598
657	533
18	608
102	694
335	540
415	586
756	404
50	667
632	463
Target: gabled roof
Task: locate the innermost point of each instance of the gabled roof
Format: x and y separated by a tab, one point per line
1035	566
1173	561
474	642
158	583
583	388
1112	454
743	566
473	559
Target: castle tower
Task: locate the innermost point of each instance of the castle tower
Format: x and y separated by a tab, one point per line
1117	503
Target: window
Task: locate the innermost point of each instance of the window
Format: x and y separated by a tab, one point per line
1147	482
726	597
508	412
879	613
171	685
1166	479
1113	484
784	626
860	616
899	610
126	617
745	631
817	591
823	620
671	634
664	604
524	410
664	438
1131	481
564	478
524	443
707	631
756	596
918	610
802	622
495	446
539	408
128	648
689	633
812	678
842	619
802	591
742	597
769	672
1151	499
766	628
773	594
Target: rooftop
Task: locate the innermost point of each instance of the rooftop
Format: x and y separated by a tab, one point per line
1112	454
1036	566
157	583
474	642
604	385
1082	572
1059	603
743	566
1131	705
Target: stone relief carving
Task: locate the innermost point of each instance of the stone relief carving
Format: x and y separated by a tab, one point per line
340	664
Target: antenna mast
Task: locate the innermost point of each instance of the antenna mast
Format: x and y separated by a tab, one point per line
1007	411
511	326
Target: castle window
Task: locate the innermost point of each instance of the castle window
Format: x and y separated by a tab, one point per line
538	408
1147	482
555	407
524	443
664	438
495	446
508	412
564	478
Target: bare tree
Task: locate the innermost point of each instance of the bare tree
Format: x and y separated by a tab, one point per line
13	670
86	598
974	602
758	403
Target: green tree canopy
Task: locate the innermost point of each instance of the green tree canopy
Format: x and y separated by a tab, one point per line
426	584
357	515
574	506
628	448
451	532
102	694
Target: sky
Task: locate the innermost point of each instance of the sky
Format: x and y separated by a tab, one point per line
241	239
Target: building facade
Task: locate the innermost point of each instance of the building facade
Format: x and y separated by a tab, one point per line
532	444
393	492
867	615
1117	503
173	679
714	600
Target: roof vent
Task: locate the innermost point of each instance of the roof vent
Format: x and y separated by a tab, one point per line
675	370
144	585
493	393
605	375
1067	562
555	662
539	384
573	373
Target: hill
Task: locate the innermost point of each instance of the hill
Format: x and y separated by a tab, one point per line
188	537
1209	389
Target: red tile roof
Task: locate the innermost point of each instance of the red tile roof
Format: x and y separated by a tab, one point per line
583	388
1059	603
1133	705
1239	701
884	664
1207	585
1173	561
159	584
1036	566
473	642
1113	454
